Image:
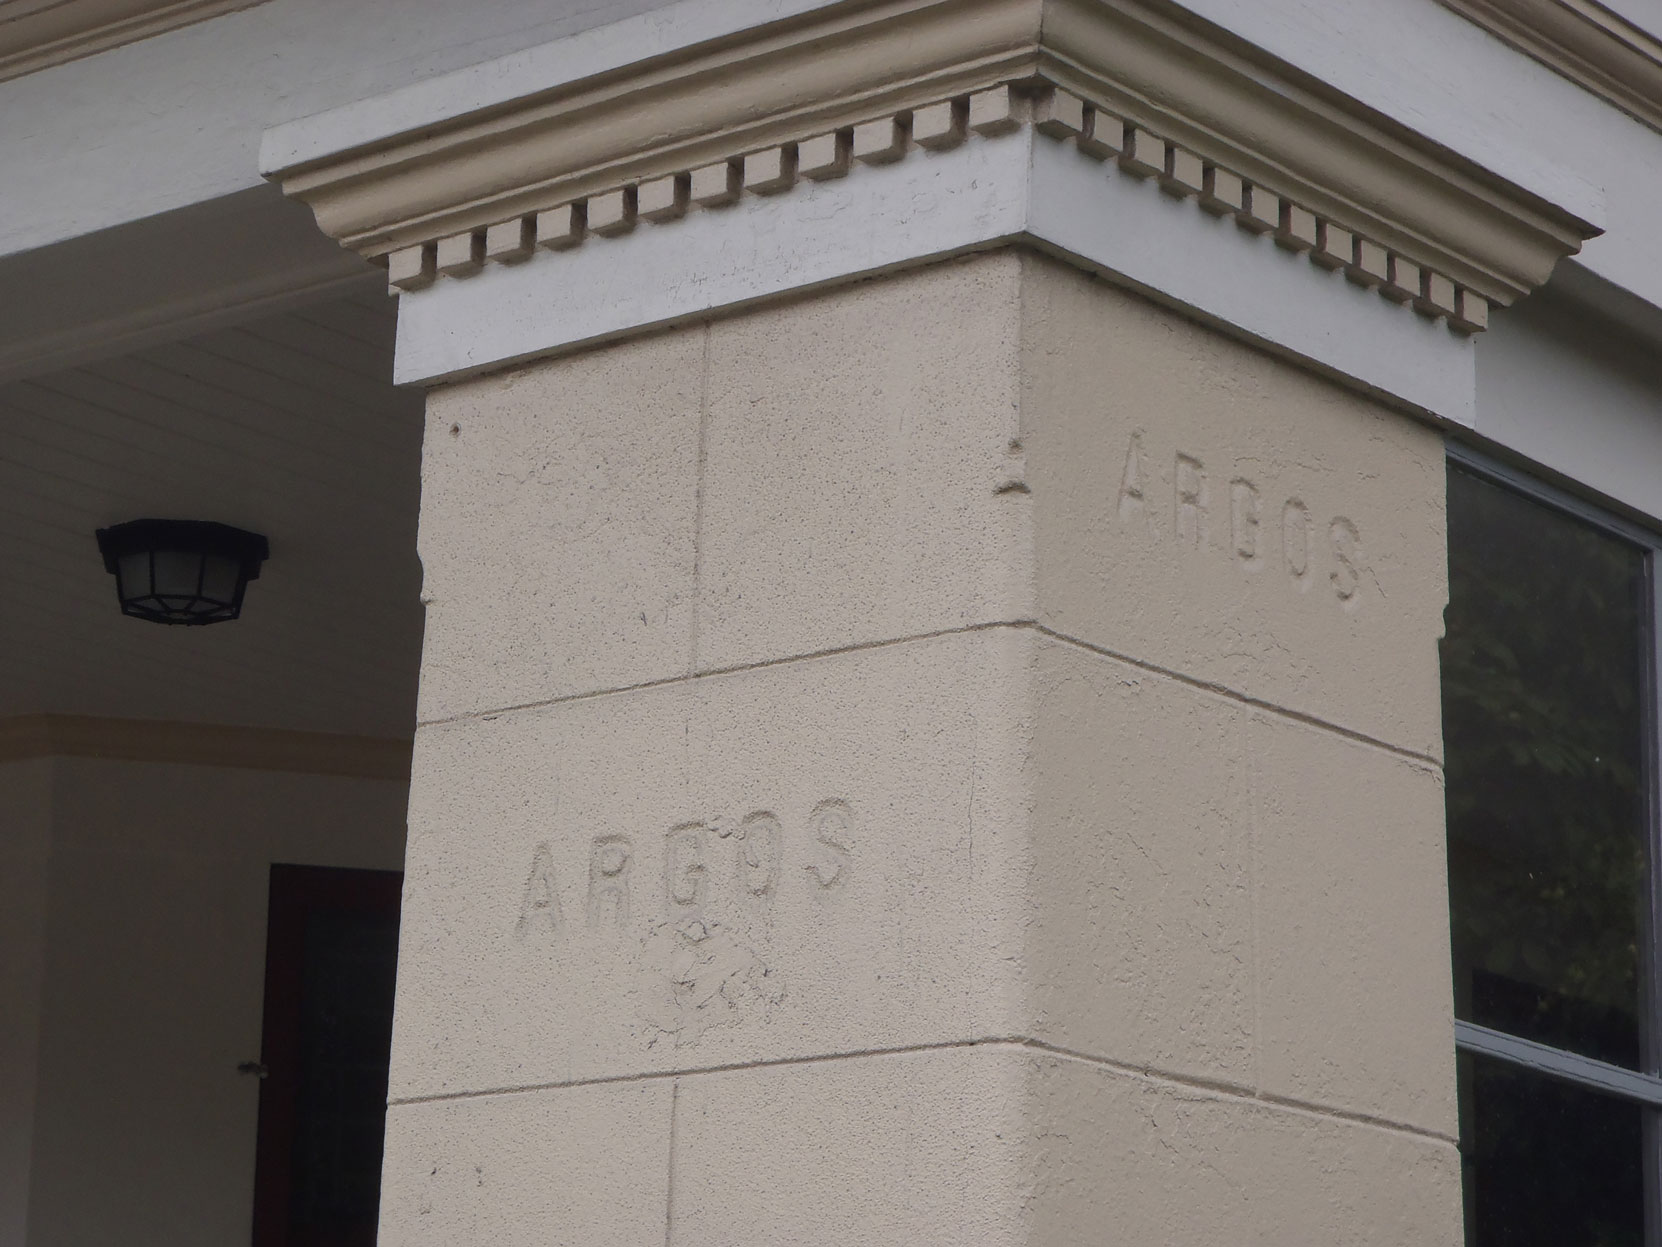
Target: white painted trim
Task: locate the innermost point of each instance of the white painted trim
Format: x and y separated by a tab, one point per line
1642	13
51	34
1432	71
494	83
545	68
1020	187
1571	379
927	206
1243	282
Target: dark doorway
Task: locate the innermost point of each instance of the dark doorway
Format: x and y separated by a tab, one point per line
331	959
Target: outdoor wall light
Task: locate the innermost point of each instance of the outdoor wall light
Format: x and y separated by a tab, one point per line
181	571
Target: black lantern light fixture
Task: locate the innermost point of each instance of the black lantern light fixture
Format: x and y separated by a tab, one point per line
188	572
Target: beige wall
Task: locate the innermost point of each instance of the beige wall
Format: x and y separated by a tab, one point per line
25	840
154	956
854	806
1238	828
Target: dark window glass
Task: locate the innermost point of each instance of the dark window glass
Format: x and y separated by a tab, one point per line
345	1034
331	967
1543	735
1548	1164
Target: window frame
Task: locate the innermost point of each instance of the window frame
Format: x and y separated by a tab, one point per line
1642	1087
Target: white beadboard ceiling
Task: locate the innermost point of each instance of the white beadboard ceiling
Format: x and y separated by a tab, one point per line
287	425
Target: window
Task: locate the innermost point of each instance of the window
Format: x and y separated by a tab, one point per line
1549	714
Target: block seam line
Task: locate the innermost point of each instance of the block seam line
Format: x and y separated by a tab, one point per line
694	624
1418	757
1057	115
669	1187
1221	1089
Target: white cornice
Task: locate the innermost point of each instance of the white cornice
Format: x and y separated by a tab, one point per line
1129	150
37	34
1020	186
1215	106
1586	43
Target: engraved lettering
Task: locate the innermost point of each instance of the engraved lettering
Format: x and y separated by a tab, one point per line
1347	550
1310	553
761	848
611	861
539	911
1295	541
832	825
684	865
1189	500
1243	522
1131	480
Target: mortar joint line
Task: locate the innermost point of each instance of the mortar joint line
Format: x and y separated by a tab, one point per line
1238	1091
1195	682
669	1187
694	624
1223	1088
1245	699
718	672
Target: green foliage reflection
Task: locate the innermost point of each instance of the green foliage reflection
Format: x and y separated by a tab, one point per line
1543	733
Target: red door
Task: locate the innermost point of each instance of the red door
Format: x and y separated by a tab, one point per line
331	959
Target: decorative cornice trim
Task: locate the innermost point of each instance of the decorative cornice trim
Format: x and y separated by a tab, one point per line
37	34
1191	104
203	744
833	67
1585	42
1133	150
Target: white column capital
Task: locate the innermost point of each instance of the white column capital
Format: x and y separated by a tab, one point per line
571	195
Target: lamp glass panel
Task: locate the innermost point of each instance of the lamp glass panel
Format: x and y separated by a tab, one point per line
132	575
219	578
177	573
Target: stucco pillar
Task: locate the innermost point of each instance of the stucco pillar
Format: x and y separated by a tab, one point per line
951	759
920	743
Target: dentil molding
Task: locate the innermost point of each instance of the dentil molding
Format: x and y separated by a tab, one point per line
1051	112
37	34
1138	83
1583	41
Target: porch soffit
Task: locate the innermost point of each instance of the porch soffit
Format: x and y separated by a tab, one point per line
1585	42
1291	154
37	34
285	424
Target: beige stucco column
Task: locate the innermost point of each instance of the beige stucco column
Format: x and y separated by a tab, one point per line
921	743
951	759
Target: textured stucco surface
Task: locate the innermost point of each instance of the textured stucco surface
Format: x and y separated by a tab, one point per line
1132	1159
805	859
544	1169
952	858
1214	511
819	475
1224	893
